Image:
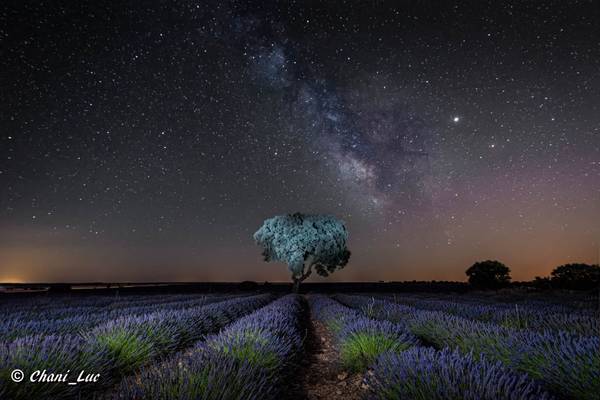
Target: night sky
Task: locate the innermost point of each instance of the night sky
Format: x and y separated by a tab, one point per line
146	141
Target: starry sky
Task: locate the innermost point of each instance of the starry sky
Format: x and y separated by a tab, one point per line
147	141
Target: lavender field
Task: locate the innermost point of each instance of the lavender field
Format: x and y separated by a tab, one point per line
316	346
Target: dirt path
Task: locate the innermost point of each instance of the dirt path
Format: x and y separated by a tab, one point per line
321	377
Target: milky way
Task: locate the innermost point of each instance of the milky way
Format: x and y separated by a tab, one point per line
376	150
149	143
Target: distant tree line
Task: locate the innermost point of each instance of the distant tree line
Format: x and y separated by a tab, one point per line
491	274
575	276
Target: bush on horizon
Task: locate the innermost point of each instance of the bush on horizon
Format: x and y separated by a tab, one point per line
489	274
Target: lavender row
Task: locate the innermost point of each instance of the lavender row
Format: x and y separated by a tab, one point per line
360	340
49	303
566	364
550	303
113	349
78	320
250	359
422	373
401	368
62	309
527	316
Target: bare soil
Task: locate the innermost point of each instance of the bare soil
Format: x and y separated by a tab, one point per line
321	376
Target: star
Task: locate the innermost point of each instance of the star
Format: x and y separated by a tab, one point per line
201	121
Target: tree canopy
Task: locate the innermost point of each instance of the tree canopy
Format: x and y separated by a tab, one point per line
488	274
303	242
576	276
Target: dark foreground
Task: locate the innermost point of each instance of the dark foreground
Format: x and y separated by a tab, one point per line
155	343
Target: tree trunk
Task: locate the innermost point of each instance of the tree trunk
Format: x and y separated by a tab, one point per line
296	286
297	281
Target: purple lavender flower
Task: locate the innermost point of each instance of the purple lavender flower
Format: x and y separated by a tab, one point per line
426	374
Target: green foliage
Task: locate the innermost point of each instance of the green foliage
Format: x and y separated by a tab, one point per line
335	324
360	349
198	382
128	350
372	309
249	346
466	335
184	383
303	242
488	274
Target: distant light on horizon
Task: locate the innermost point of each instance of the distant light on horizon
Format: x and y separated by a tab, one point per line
12	279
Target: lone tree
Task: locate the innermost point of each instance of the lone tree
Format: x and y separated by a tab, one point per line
488	274
303	242
576	276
